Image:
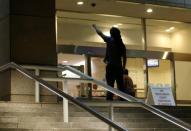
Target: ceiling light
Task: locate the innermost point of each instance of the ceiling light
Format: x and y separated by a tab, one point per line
165	55
167	30
65	61
115	26
170	29
116	16
149	10
80	3
119	24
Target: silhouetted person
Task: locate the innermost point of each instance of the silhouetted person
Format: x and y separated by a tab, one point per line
128	83
115	58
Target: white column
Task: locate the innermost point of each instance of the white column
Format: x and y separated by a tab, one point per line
37	87
65	101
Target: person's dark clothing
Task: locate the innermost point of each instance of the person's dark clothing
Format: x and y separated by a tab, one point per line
128	85
115	49
114	73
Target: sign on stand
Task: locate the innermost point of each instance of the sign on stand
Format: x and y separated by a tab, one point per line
160	96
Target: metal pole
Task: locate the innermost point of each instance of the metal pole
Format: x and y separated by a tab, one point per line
65	101
111	115
173	77
144	38
37	87
88	72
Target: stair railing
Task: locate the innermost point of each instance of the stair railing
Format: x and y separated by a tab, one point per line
127	97
60	93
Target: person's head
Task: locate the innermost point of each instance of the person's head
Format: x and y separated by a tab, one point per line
115	33
126	72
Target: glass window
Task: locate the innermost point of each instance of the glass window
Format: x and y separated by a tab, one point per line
76	29
136	72
168	36
75	88
98	72
160	74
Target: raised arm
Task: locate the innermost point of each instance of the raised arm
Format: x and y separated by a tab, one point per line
100	33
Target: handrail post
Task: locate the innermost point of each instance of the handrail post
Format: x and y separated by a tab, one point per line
65	101
37	87
111	115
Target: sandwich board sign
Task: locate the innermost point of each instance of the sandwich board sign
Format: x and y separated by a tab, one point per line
160	96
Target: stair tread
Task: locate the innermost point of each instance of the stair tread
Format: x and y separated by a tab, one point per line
38	117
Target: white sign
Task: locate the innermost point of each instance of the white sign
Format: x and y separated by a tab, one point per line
161	96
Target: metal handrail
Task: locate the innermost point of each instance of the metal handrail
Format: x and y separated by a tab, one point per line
150	108
61	94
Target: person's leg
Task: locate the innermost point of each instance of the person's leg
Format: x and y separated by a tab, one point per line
119	80
110	81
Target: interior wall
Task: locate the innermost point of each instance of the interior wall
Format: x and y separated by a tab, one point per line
181	40
183	82
161	74
158	40
4	49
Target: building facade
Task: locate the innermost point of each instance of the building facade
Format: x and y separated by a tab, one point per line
49	32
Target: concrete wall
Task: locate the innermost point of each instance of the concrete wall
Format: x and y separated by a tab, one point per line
33	41
33	32
23	88
4	49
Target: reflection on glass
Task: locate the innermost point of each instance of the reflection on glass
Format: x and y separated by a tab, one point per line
168	36
161	74
75	88
76	29
136	72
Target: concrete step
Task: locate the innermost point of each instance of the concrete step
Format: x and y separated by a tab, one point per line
74	129
29	116
5	119
25	107
46	119
116	115
86	125
31	107
61	125
78	129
